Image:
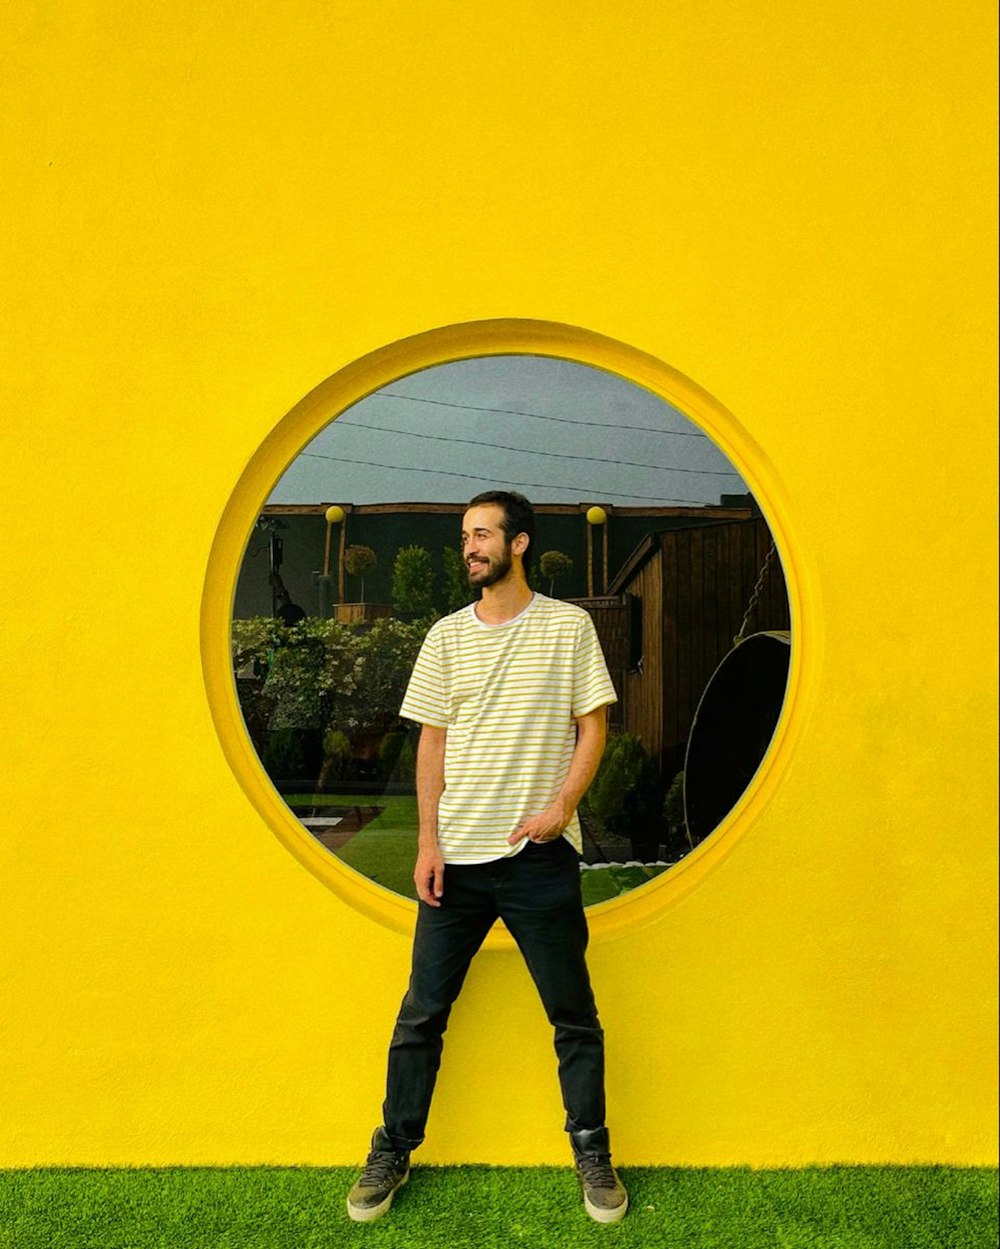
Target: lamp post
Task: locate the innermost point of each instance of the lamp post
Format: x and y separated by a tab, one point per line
335	515
596	516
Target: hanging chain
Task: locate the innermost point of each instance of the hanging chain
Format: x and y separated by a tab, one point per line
756	594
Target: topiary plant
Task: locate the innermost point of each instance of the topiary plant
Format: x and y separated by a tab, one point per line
358	560
555	565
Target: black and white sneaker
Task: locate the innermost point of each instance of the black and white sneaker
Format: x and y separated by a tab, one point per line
604	1195
386	1170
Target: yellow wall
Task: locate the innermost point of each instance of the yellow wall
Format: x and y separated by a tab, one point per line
217	207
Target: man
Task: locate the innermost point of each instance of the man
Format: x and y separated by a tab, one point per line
511	693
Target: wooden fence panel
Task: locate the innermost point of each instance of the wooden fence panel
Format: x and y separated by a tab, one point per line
707	577
694	590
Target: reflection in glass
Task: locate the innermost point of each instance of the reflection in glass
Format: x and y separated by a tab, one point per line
640	520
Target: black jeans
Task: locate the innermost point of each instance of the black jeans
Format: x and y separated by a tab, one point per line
537	895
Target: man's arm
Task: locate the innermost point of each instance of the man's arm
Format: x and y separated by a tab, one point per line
428	875
591	733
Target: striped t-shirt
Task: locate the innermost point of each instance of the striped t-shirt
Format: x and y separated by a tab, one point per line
508	695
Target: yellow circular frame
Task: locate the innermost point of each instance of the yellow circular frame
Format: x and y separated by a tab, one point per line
369	374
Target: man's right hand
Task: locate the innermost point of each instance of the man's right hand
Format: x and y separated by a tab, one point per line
428	876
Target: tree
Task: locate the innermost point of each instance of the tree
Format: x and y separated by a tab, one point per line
358	560
555	565
413	582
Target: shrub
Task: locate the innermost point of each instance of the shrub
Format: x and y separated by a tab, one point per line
673	813
336	745
254	641
325	681
397	756
626	796
313	678
292	754
413	582
336	759
406	763
457	591
386	654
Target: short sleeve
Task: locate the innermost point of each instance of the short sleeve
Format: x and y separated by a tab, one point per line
592	686
426	700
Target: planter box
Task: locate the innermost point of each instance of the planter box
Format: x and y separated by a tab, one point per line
360	613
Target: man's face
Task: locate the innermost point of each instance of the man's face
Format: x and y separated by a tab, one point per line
487	552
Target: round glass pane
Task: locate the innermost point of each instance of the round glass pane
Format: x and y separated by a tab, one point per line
641	521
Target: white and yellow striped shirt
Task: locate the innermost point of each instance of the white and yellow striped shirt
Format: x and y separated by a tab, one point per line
509	695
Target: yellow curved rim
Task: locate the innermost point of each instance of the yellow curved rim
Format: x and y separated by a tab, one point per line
443	346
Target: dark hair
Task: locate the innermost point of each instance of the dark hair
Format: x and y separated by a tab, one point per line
518	516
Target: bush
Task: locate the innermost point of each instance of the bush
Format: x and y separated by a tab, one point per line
253	643
457	591
413	582
673	814
292	754
335	682
406	763
397	757
386	655
313	678
626	796
336	764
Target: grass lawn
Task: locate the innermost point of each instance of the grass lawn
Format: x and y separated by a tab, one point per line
598	884
484	1207
384	850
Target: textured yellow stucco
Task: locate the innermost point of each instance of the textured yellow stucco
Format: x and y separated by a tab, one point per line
214	209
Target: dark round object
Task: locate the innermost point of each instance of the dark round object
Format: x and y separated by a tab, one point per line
732	728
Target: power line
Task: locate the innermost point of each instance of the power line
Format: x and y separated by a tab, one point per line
496	446
526	485
538	416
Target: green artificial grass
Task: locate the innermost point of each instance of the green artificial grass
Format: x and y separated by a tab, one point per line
477	1207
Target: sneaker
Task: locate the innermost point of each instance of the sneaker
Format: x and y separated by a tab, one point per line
386	1170
604	1195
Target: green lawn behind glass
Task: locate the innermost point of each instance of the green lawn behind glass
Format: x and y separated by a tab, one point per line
385	849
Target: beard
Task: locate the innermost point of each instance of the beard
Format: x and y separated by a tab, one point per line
496	570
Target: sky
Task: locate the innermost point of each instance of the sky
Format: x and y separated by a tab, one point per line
558	431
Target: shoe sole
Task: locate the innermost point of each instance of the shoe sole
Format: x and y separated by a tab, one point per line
601	1215
368	1214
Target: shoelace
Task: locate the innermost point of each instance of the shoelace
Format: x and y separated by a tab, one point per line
596	1170
381	1168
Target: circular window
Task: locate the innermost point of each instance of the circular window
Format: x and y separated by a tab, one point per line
340	548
